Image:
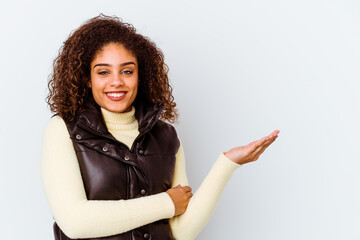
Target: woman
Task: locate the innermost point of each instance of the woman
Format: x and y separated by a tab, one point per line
112	168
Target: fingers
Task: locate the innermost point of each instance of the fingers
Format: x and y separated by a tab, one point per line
259	142
261	150
256	144
189	194
268	143
271	135
252	151
269	140
187	191
180	195
263	141
187	188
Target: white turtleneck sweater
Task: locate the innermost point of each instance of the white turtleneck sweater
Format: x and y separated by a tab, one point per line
79	217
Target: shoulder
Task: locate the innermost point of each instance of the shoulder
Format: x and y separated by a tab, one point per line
56	126
165	128
56	139
164	124
56	121
164	135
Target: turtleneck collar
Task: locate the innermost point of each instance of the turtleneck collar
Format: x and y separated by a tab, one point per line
120	121
90	117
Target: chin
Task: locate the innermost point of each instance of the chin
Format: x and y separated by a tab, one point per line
118	109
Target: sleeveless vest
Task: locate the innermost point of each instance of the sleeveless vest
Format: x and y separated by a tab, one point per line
112	171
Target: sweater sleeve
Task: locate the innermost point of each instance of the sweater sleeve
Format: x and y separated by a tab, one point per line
203	203
82	218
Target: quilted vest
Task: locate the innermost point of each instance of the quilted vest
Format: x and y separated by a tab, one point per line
112	171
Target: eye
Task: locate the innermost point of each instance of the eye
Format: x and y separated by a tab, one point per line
127	72
103	73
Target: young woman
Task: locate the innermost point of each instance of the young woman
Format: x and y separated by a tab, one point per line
112	164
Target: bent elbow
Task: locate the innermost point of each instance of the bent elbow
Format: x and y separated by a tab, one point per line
72	220
71	226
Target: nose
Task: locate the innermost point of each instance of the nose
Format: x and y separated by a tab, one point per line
116	80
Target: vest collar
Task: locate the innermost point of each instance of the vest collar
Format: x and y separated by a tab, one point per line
146	113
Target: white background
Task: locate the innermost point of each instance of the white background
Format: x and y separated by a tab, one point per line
240	69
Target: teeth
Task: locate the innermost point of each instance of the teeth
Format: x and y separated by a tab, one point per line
116	94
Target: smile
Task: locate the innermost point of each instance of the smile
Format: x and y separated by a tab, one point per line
116	96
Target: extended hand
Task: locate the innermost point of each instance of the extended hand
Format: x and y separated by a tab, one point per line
180	197
252	151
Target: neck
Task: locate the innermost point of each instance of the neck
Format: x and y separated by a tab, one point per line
120	121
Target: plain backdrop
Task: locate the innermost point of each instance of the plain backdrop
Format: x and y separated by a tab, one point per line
240	69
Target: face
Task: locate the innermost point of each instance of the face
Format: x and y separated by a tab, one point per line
114	78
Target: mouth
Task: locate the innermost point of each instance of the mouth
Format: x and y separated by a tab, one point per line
116	96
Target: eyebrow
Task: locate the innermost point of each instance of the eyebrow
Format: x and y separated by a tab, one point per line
108	65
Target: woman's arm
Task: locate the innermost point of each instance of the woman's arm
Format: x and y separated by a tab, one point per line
204	200
82	218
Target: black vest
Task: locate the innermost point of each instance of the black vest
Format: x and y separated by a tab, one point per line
112	171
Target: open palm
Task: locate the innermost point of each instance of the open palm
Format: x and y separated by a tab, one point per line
252	151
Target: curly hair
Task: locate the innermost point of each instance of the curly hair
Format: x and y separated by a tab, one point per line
69	82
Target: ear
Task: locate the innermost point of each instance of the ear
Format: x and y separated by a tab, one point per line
89	84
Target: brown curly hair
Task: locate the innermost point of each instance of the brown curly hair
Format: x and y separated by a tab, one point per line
69	83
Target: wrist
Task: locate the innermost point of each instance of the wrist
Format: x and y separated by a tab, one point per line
230	156
170	203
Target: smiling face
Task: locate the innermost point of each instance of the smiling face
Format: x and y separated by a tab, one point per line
114	78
